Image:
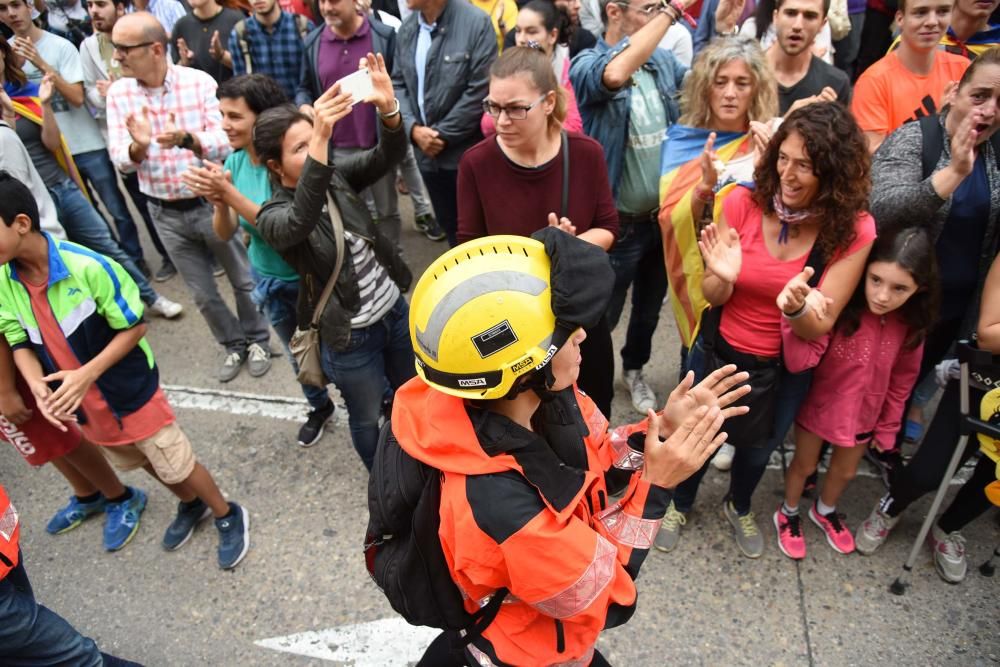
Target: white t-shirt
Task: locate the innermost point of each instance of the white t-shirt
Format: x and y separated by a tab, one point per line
679	42
78	127
15	160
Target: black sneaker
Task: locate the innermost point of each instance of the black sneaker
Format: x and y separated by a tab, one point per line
420	222
312	430
166	272
144	268
432	230
234	536
182	527
884	462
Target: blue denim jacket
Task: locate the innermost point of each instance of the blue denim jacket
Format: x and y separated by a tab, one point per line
605	112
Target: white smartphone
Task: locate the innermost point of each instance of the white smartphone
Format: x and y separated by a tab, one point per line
358	84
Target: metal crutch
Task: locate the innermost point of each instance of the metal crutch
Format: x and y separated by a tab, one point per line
967	426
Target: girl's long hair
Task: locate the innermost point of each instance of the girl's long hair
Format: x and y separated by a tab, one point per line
911	249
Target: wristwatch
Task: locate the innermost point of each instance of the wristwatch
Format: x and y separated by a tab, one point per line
187	141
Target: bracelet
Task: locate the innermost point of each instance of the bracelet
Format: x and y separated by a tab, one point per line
797	314
394	112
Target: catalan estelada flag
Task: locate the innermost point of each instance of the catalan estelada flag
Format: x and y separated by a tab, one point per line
680	169
28	106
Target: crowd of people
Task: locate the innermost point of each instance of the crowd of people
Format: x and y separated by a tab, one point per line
824	224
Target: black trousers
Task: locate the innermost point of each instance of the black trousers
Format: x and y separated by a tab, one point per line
597	371
442	188
440	654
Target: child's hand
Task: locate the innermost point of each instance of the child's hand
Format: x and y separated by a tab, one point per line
41	392
67	398
819	303
13	408
793	297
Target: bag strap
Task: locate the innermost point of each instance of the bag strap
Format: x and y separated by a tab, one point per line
241	37
933	143
818	263
482	619
338	233
565	179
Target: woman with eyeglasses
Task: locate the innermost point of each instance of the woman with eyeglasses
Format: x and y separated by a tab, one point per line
542	25
533	173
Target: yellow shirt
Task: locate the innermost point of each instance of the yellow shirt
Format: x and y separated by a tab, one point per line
503	14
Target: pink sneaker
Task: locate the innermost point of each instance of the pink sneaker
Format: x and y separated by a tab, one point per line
837	535
790	539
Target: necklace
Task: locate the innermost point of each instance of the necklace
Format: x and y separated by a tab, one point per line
788	218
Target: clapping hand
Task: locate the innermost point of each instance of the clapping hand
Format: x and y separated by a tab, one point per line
183	52
716	390
140	128
709	158
210	181
672	461
46	88
721	252
215	48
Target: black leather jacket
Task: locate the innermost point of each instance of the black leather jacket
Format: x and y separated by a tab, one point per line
295	223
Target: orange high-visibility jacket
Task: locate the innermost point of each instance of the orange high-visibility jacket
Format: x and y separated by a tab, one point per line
530	511
10	531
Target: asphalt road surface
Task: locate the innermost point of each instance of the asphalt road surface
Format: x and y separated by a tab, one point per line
302	595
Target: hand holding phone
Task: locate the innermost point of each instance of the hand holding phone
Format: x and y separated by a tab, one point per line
358	84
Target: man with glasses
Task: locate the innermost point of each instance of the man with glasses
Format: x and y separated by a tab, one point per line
162	119
626	83
99	70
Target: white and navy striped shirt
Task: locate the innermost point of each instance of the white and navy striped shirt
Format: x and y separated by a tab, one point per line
377	290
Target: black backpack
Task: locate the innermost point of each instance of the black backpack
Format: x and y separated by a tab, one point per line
402	549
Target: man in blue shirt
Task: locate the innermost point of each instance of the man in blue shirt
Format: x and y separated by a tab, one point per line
270	42
626	89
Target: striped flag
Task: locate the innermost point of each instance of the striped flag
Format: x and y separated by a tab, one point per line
680	170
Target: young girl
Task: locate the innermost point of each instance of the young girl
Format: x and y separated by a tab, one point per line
865	369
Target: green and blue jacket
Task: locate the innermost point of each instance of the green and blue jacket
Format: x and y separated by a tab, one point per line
93	299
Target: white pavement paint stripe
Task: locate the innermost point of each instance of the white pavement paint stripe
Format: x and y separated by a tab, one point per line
295	409
243	403
387	642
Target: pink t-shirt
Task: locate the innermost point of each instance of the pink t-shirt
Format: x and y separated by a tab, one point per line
751	321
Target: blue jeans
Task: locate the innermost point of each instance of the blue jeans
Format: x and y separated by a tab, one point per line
277	298
31	634
84	225
379	358
637	258
96	168
749	463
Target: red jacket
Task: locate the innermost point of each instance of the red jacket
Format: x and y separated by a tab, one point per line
532	514
10	531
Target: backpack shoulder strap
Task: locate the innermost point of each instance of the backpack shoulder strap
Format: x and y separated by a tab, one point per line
933	143
302	23
241	37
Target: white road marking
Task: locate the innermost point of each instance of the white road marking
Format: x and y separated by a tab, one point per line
243	403
387	642
295	409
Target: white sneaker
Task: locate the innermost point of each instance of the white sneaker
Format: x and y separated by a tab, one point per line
643	398
723	459
164	307
949	554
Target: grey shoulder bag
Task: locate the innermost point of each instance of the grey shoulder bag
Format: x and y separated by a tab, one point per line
305	343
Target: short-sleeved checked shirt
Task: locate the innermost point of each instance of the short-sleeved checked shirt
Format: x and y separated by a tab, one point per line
277	53
189	96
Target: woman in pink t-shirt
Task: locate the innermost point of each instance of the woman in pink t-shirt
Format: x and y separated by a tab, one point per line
808	207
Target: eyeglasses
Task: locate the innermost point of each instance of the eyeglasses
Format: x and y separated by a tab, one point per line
645	10
126	49
514	112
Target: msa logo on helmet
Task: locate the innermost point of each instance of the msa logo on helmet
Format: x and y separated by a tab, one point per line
471	382
494	339
521	365
548	356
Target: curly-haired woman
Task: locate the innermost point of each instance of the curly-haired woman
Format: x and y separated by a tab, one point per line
808	208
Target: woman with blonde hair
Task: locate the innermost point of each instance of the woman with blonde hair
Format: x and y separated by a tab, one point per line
533	173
